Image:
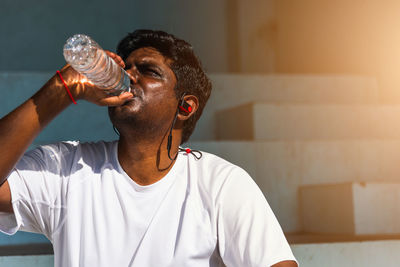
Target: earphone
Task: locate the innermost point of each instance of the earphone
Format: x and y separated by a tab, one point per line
184	106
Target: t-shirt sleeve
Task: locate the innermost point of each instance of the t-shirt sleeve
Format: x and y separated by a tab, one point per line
36	185
249	233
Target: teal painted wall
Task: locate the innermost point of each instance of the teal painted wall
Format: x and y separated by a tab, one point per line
31	261
22	238
34	32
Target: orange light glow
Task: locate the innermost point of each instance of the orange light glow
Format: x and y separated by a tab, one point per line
85	80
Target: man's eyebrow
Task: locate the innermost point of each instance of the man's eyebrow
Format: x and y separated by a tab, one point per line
149	62
143	60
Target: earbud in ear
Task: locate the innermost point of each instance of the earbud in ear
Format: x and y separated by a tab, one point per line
185	107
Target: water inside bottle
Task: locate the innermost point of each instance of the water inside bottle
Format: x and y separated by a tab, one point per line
89	59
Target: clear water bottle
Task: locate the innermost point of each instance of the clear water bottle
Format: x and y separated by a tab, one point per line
89	59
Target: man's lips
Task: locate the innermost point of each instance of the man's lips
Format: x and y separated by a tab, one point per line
137	93
128	102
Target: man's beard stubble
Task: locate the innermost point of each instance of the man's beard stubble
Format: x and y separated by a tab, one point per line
138	126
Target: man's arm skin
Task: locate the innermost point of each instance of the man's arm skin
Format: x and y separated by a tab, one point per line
19	128
285	264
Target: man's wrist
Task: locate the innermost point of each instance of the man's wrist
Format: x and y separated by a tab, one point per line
72	79
66	87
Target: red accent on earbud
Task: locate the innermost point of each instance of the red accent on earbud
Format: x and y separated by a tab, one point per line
185	107
188	150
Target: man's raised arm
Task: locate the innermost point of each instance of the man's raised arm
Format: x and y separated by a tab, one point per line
19	128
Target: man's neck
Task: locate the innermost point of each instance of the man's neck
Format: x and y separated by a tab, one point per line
147	161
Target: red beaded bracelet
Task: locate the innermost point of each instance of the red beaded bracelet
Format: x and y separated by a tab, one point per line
66	87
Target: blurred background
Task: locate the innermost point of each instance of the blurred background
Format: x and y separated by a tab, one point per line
306	98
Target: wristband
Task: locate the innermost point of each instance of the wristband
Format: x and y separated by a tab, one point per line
66	87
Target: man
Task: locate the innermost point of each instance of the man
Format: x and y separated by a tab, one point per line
141	201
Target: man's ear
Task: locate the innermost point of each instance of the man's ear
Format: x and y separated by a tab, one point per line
188	107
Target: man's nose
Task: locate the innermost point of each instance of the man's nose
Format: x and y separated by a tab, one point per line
133	74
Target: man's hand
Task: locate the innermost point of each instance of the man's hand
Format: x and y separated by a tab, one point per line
81	88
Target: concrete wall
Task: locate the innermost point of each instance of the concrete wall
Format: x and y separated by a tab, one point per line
257	35
352	37
34	32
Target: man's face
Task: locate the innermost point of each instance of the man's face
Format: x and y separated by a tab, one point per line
154	102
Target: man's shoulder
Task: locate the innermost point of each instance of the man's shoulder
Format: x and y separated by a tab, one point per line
216	164
213	171
214	160
71	146
66	151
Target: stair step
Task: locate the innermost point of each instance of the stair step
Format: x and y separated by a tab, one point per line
31	261
343	254
313	238
231	90
351	208
265	121
349	254
236	89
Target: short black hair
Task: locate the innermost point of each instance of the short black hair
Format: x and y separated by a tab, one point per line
191	78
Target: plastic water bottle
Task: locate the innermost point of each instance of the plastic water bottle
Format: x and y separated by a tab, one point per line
89	59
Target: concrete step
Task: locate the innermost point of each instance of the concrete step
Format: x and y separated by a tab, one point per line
281	167
348	254
231	90
265	121
236	89
343	254
22	238
26	249
351	208
313	238
31	261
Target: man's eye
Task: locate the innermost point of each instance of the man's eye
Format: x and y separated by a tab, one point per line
154	72
149	71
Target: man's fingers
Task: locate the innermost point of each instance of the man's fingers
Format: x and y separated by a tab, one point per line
65	67
116	100
116	58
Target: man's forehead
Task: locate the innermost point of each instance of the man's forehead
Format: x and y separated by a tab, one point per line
149	53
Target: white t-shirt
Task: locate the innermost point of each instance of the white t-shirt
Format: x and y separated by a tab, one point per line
205	212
